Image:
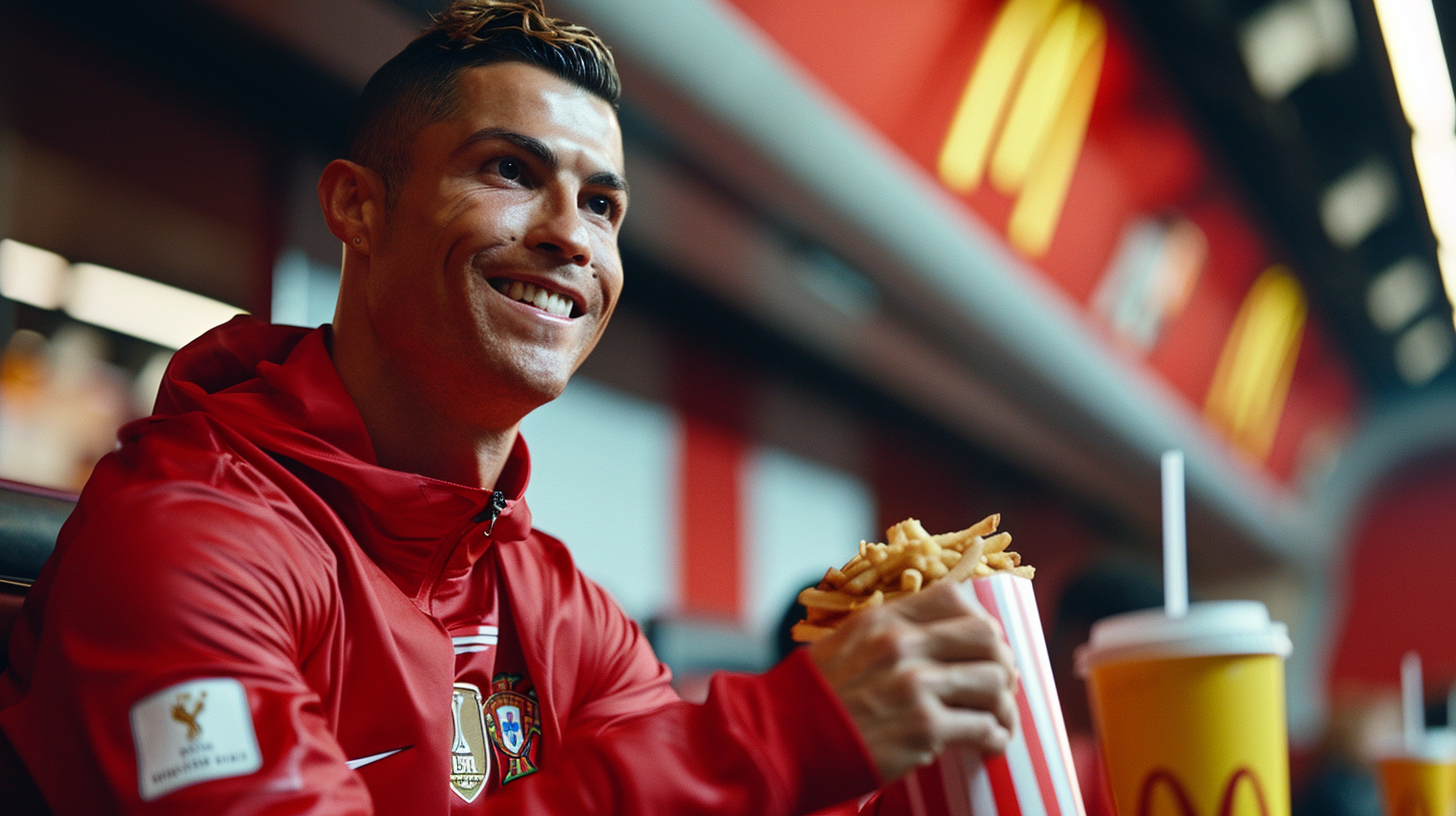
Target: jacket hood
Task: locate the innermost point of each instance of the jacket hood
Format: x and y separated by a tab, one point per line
238	373
276	388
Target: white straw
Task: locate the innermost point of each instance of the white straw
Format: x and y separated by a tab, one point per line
1412	698
1175	537
1451	708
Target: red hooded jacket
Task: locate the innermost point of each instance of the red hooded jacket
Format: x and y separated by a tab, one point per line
245	614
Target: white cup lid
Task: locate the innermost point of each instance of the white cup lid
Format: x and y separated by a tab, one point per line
1209	628
1437	745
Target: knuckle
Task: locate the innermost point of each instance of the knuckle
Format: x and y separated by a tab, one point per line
907	682
891	642
882	643
921	723
985	629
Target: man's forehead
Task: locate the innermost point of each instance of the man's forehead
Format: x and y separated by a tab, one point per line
524	98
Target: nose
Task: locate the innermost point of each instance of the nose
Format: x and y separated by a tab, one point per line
559	230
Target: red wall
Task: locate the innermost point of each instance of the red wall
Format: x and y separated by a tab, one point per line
1399	580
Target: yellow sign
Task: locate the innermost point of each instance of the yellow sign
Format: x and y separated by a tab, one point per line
1246	398
1024	112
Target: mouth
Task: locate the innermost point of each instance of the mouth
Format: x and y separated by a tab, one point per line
531	294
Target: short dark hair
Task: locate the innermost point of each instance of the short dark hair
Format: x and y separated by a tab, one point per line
417	87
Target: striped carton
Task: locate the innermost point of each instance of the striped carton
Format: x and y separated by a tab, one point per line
1035	776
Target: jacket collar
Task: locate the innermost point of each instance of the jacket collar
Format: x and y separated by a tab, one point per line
277	387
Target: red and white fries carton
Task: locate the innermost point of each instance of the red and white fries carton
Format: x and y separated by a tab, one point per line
1035	776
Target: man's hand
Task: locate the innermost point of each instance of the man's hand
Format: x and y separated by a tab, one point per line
921	673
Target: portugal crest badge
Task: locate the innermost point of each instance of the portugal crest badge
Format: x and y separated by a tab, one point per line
469	755
513	718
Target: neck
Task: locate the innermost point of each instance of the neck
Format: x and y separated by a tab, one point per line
402	441
411	432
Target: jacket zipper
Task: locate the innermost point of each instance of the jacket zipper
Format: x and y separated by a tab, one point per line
492	511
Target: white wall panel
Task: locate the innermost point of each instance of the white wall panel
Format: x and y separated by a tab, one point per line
603	476
801	518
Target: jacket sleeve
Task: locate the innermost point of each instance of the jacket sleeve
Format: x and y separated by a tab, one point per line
777	743
171	655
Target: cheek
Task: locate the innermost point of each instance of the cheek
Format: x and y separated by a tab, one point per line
608	273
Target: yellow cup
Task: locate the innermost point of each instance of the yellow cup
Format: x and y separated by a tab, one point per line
1420	782
1190	711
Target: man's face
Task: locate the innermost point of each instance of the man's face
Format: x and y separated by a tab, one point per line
498	265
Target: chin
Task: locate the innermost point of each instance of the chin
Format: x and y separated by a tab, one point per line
534	387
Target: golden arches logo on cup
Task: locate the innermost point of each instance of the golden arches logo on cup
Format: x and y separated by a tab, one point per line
1162	778
1190	711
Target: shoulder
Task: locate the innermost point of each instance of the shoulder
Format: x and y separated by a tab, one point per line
171	566
180	484
213	525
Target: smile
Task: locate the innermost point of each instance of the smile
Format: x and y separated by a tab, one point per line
538	296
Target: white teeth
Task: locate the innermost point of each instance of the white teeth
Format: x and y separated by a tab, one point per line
550	302
558	305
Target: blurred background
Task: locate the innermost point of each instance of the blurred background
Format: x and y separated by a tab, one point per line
936	258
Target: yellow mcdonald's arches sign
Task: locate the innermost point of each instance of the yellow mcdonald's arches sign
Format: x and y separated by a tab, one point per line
1246	397
1024	112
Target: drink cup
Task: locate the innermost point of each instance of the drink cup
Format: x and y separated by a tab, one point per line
1190	711
1420	780
1035	776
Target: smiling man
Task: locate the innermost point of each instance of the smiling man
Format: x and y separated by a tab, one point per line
309	583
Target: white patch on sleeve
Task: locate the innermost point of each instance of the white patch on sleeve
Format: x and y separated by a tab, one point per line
193	732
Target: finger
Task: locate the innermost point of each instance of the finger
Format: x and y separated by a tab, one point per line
942	600
967	638
978	730
981	686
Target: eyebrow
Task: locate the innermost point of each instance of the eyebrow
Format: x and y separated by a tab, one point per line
611	181
544	154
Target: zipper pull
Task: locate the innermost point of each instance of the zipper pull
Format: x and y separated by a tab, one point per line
493	510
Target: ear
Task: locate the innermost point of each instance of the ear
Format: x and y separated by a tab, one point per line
352	197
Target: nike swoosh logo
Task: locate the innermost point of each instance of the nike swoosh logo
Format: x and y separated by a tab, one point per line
355	764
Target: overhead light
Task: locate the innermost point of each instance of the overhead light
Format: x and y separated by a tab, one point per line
1399	293
1418	61
140	307
1435	156
1285	43
108	298
1358	202
1423	83
1424	350
32	275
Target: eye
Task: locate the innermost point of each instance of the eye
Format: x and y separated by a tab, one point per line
509	169
601	205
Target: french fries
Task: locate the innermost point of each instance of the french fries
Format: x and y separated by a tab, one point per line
909	560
